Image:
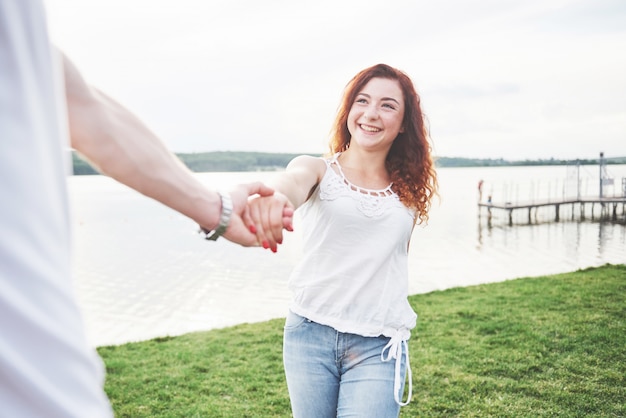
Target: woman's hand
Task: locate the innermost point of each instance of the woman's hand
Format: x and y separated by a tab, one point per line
267	216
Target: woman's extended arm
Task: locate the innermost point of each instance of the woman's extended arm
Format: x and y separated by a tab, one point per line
292	188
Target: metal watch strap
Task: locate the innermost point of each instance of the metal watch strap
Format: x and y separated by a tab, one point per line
227	210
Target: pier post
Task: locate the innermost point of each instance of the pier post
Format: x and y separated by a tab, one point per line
582	211
556	210
593	206
601	172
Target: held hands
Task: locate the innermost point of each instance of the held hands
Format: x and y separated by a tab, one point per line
256	221
268	216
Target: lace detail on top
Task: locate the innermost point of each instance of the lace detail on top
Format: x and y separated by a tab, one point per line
371	203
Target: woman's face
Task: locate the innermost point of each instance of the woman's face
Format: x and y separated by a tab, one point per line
375	118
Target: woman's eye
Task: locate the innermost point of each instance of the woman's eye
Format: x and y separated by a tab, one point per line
361	100
389	106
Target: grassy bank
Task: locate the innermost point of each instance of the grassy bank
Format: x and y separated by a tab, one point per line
551	346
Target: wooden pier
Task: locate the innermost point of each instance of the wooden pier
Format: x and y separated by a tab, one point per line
611	208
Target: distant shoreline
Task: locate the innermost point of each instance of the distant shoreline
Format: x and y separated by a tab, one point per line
240	161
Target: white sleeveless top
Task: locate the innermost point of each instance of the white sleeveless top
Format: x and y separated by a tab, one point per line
353	275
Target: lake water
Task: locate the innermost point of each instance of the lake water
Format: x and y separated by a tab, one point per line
142	271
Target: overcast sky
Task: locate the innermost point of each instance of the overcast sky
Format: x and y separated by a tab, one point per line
498	78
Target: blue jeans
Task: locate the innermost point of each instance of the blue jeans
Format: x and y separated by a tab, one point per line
334	374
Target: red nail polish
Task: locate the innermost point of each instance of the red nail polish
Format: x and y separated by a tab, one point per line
266	244
252	229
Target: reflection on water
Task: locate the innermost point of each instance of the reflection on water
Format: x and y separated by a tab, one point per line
142	271
585	242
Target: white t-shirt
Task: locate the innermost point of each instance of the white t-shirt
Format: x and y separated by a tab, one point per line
47	368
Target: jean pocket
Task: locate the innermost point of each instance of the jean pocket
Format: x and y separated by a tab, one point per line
293	321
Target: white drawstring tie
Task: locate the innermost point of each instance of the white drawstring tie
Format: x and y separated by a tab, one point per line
394	347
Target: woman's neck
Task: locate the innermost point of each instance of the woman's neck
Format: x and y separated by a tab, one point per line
364	168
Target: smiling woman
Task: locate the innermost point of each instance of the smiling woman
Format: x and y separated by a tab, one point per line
358	207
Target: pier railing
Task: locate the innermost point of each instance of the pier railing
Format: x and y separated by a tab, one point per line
590	208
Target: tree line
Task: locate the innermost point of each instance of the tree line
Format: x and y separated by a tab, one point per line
239	161
218	161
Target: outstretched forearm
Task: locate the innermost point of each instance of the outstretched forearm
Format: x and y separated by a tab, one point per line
300	177
293	188
119	145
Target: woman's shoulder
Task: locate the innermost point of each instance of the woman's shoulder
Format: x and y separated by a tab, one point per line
308	162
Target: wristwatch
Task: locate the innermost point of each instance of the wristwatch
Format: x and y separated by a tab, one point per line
227	211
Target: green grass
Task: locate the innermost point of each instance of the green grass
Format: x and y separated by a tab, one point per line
551	346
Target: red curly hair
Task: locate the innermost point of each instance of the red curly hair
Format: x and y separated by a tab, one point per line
409	161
